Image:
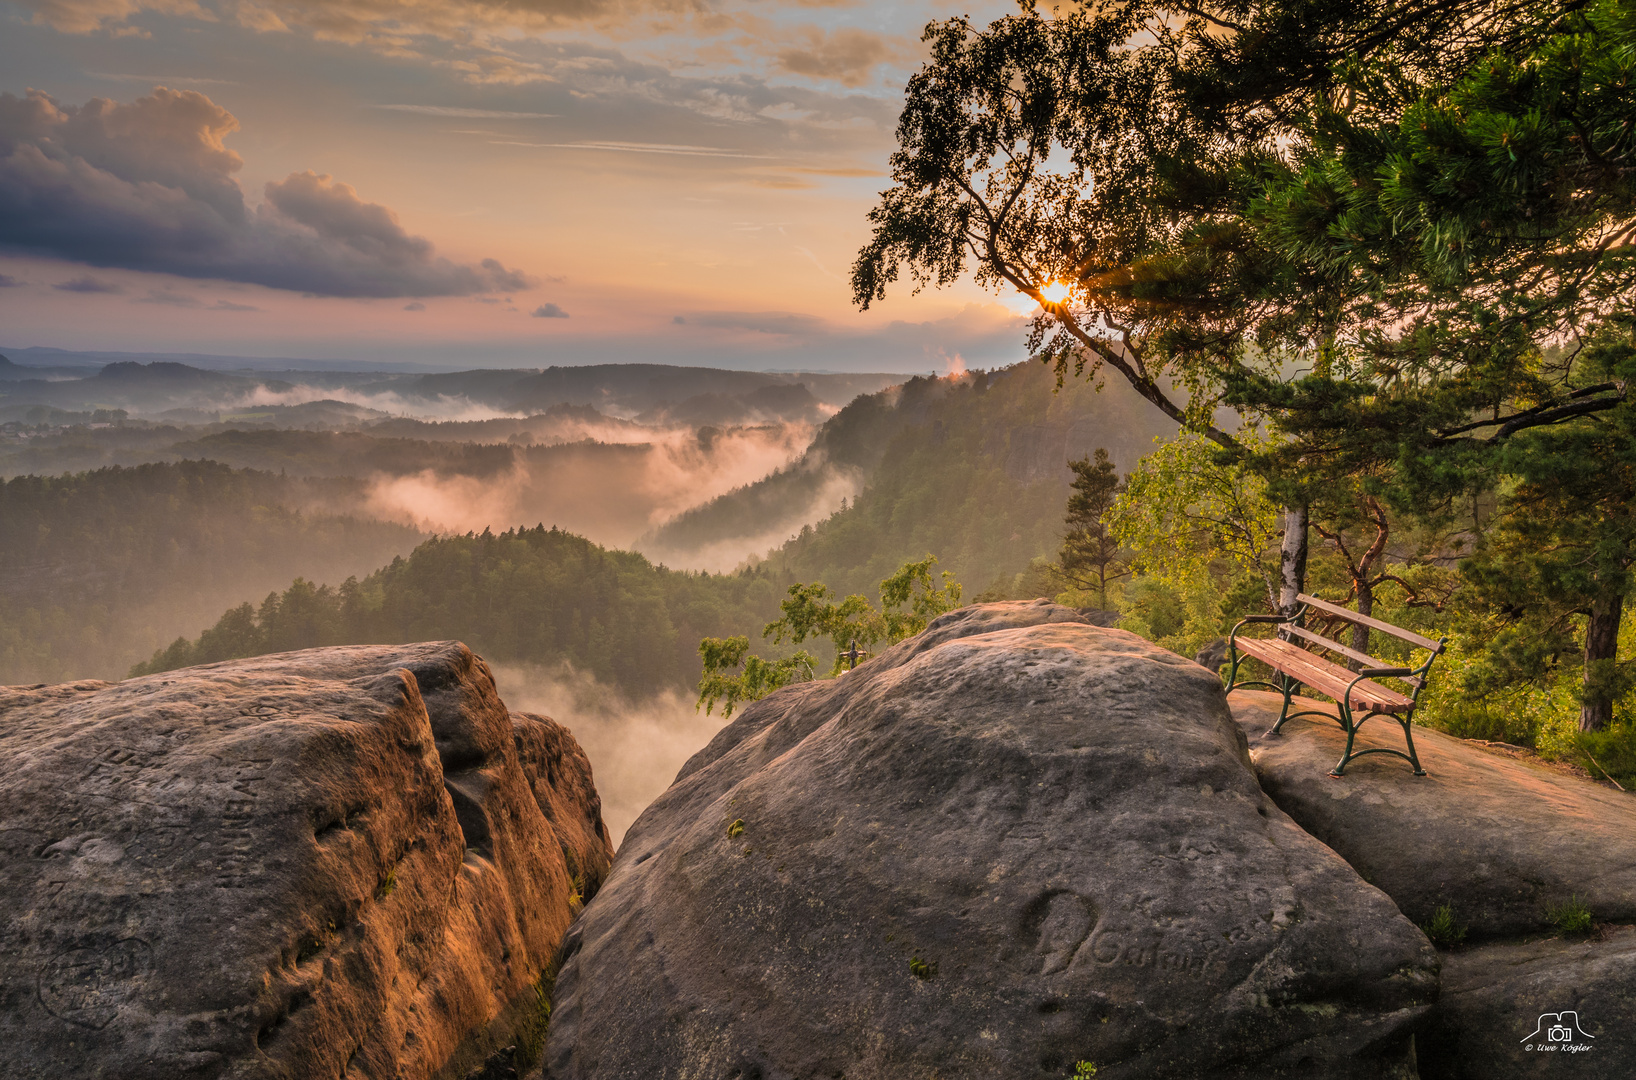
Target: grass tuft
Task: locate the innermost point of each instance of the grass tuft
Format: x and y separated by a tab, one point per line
1572	919
1443	930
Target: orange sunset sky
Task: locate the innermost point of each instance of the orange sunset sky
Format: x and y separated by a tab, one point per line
518	183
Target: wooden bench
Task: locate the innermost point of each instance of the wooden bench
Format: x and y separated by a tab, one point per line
1355	691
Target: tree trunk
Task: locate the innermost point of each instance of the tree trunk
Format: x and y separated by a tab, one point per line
1366	606
1292	559
1601	644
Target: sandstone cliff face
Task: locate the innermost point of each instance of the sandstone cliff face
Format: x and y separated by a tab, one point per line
341	862
1010	844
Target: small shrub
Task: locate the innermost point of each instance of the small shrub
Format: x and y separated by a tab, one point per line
922	969
1083	1069
388	884
1443	931
1572	919
736	829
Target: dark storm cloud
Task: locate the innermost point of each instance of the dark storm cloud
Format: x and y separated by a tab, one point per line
149	186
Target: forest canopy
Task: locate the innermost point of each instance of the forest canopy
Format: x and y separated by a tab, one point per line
1395	238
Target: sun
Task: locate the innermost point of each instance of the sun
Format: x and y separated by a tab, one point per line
1056	291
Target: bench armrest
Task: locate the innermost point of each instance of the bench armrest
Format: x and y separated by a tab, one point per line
1370	672
1266	618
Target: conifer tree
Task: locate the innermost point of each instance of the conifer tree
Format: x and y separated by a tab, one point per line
1090	556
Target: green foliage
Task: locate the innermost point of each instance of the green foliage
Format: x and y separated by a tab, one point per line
1371	227
1443	930
1203	539
736	829
758	678
855	622
809	612
1571	917
922	969
1083	1069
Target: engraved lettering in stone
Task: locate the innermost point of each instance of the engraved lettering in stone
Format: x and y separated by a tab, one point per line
86	985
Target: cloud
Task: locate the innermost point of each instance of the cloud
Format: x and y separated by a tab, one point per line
636	148
87	284
9	282
149	185
162	80
549	311
762	322
416	306
467	114
847	55
167	296
679	321
228	305
353	21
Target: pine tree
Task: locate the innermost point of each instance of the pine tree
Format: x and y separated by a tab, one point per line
1090	556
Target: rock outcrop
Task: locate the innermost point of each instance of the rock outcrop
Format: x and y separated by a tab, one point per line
1500	841
1011	844
341	862
1500	1013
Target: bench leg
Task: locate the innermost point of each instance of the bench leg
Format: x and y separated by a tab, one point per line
1343	710
1408	737
1351	725
1289	685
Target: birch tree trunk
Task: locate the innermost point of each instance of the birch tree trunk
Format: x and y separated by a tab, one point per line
1292	559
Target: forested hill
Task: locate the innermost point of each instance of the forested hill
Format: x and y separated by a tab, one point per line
103	567
972	469
534	594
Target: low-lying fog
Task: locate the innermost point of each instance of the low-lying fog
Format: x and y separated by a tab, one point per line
636	749
610	492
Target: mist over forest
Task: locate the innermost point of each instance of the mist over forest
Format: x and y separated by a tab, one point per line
581	528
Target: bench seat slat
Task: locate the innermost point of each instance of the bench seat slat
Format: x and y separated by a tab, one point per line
1323	676
1374	624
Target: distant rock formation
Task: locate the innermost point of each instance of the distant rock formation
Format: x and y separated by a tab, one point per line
1011	844
340	862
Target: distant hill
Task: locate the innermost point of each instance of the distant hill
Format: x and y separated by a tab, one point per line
973	470
539	594
634	389
666	395
98	570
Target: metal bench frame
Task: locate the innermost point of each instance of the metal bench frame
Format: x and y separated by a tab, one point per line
1349	720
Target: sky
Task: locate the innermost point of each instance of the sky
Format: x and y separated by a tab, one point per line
467	184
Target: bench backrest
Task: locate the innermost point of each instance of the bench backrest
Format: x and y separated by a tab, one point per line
1374	624
1362	658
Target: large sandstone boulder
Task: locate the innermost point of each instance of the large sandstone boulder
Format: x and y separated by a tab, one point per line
1500	1013
340	862
1011	844
1501	841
